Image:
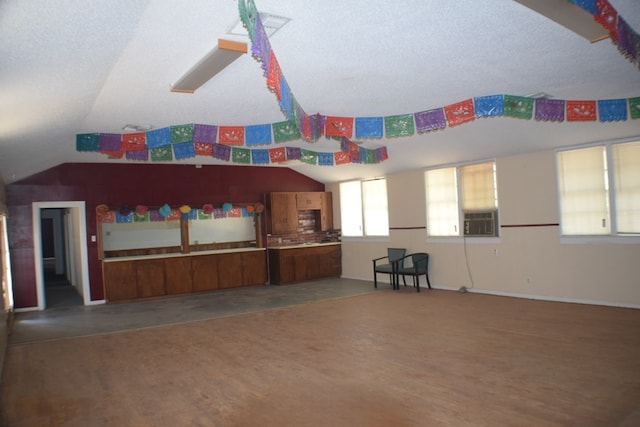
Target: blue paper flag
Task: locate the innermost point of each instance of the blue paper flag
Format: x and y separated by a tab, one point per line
257	134
369	127
158	137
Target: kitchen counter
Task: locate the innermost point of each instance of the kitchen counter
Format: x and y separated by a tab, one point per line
300	263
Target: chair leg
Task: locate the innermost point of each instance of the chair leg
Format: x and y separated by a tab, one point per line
428	282
417	283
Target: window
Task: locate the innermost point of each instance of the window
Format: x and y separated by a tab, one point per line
453	191
363	208
600	190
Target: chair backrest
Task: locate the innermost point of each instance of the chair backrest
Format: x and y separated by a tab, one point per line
396	254
420	261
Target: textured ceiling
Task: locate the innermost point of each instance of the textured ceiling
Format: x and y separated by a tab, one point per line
72	66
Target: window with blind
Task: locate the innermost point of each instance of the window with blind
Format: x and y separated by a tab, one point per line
454	191
363	208
600	190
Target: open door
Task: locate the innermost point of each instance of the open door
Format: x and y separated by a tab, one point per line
60	249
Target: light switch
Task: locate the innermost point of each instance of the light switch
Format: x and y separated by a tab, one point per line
93	238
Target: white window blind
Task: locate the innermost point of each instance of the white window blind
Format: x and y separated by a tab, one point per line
626	165
442	202
351	208
583	189
376	213
478	187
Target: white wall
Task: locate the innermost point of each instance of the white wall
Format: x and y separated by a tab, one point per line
529	259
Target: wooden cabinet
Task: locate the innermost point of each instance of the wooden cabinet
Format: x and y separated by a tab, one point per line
150	278
254	268
285	206
308	201
284	213
230	270
204	273
121	278
326	211
299	264
177	274
145	278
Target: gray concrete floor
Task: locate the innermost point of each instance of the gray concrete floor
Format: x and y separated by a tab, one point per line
72	321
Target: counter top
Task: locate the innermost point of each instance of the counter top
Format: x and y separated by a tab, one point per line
305	245
177	255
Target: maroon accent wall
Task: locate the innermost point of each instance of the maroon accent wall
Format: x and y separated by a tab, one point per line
129	184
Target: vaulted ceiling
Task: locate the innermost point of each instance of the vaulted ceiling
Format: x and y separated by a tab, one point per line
71	66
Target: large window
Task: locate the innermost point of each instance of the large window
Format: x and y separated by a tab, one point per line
363	208
466	192
600	190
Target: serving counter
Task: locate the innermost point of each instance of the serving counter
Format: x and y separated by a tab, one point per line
137	277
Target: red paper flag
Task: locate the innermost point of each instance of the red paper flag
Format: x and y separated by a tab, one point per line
277	154
607	17
134	141
341	158
339	126
274	77
460	112
581	111
231	135
203	149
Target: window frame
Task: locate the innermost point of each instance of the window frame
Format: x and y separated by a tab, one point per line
363	227
460	237
613	236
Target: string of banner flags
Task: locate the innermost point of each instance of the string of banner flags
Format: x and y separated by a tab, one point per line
238	143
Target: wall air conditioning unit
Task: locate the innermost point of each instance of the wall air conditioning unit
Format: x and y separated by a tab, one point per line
481	223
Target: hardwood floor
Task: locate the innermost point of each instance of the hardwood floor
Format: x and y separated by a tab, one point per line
434	358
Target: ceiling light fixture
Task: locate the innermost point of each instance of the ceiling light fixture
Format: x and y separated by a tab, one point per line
136	128
215	61
569	16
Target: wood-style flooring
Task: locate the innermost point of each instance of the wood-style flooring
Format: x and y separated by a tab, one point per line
385	358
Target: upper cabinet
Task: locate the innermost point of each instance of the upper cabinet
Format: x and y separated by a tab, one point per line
309	201
326	212
284	213
285	207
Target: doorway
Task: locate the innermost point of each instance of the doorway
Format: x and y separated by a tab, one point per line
60	254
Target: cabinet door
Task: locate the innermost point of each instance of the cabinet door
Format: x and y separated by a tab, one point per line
205	273
177	273
120	281
229	270
150	274
254	268
284	215
308	201
326	212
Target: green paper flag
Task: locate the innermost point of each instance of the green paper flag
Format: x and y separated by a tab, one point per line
161	154
285	131
308	156
400	125
181	133
634	107
520	107
240	155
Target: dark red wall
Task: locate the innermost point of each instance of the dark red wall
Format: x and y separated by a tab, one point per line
130	184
